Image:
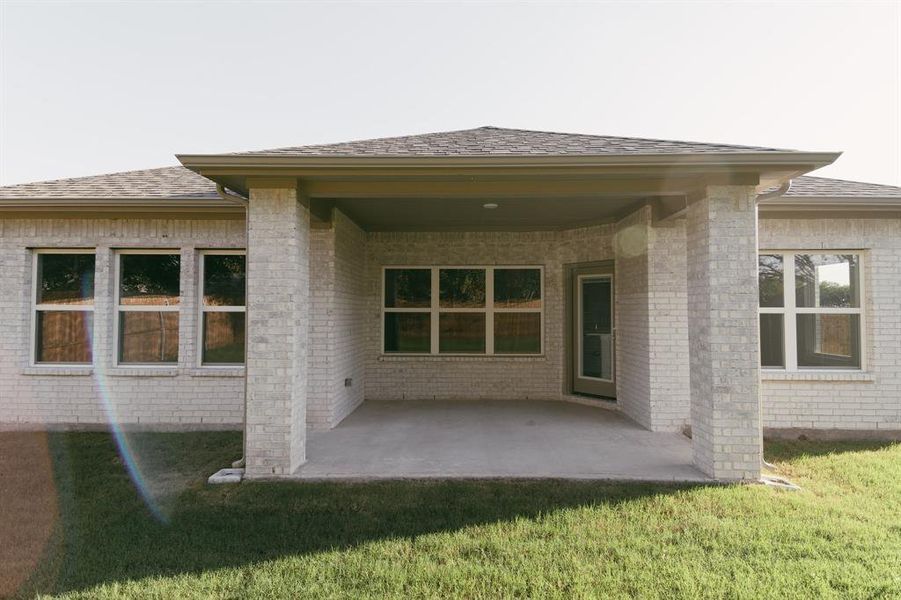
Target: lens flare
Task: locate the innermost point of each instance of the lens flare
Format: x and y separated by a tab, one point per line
126	452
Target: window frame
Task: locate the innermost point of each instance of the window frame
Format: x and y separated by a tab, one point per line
790	310
119	308
35	308
434	310
203	308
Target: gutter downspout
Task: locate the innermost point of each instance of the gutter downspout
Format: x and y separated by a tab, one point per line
229	197
769	196
776	193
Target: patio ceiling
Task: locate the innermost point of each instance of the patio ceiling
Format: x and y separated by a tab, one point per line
488	203
471	214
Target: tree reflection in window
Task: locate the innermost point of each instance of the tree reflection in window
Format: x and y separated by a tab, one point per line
771	279
826	281
150	279
461	288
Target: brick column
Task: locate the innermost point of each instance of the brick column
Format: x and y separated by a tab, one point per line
721	240
278	299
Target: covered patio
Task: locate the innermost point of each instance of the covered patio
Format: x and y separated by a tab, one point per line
494	439
495	265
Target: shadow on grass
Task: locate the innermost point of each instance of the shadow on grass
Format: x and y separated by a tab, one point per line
106	533
789	450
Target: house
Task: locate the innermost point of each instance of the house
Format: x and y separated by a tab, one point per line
689	285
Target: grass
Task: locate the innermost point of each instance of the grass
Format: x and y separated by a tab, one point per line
838	537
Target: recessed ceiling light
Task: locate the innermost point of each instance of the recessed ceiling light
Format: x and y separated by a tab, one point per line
489	205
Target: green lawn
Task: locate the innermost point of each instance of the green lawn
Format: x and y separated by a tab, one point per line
839	537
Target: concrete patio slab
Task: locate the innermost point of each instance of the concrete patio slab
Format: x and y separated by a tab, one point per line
494	439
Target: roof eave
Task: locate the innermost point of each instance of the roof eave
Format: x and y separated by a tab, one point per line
199	162
77	204
831	203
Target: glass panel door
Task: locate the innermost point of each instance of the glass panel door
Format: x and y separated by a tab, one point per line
594	334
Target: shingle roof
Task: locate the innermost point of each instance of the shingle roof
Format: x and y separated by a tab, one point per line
170	183
821	187
154	184
497	141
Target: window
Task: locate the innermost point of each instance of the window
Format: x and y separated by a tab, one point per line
63	306
810	310
222	307
462	310
147	298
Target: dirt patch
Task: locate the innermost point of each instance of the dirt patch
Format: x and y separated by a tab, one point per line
30	506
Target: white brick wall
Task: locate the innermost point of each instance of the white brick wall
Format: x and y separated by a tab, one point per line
870	400
425	378
668	328
337	341
652	330
181	395
633	319
345	280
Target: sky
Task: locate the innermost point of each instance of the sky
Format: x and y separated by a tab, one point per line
90	88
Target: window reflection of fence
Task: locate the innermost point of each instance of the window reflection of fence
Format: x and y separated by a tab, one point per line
221	330
148	337
64	336
150	300
834	335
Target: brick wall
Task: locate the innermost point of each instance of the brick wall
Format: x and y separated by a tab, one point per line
871	399
322	252
633	319
651	305
668	327
436	377
179	395
652	331
868	400
337	337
